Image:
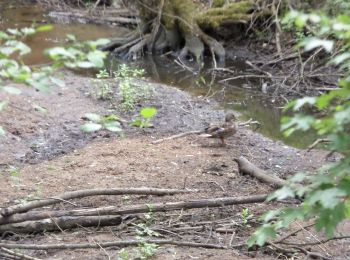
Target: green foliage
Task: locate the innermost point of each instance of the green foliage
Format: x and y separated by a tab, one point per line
97	122
147	250
104	90
130	92
123	254
12	68
325	193
146	115
245	216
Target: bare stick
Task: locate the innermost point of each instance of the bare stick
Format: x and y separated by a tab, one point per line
18	255
176	136
246	167
60	224
317	142
86	193
123	243
135	209
315	243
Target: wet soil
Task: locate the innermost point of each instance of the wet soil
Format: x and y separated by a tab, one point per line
47	154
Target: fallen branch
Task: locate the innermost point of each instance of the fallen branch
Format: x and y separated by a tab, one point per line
17	255
177	136
317	142
135	209
315	243
85	193
78	16
246	167
60	224
123	243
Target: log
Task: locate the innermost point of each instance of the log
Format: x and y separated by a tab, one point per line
78	16
60	224
135	209
86	193
123	243
246	167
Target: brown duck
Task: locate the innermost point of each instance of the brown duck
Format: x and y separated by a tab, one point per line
223	130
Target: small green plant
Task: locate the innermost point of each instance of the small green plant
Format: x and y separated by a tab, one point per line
103	89
146	115
97	122
14	173
126	199
245	216
147	250
130	92
124	254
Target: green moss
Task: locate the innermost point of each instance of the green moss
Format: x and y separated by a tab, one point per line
231	13
218	3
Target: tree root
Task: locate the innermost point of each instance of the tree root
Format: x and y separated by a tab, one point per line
246	167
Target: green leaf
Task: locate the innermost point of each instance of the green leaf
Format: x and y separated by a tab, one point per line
2	131
341	58
12	90
312	43
44	28
282	193
58	82
3	105
262	235
113	126
40	109
328	198
93	117
137	123
85	64
98	42
28	31
148	112
91	127
14	31
71	37
96	58
302	101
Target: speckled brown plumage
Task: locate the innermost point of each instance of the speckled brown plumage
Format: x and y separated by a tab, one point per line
224	130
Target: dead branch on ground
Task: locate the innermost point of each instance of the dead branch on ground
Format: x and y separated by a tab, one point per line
246	167
135	209
86	193
60	224
123	243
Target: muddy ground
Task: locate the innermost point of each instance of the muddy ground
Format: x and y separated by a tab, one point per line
44	155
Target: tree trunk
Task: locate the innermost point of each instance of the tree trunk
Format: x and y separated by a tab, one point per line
178	25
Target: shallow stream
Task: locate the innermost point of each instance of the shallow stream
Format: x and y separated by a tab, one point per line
237	95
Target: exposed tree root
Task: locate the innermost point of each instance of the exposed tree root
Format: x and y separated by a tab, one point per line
246	167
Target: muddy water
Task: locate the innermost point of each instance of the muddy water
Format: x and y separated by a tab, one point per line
237	95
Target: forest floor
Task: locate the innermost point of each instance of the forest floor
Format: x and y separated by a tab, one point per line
44	155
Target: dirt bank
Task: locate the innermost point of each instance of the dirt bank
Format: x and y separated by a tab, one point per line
52	156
